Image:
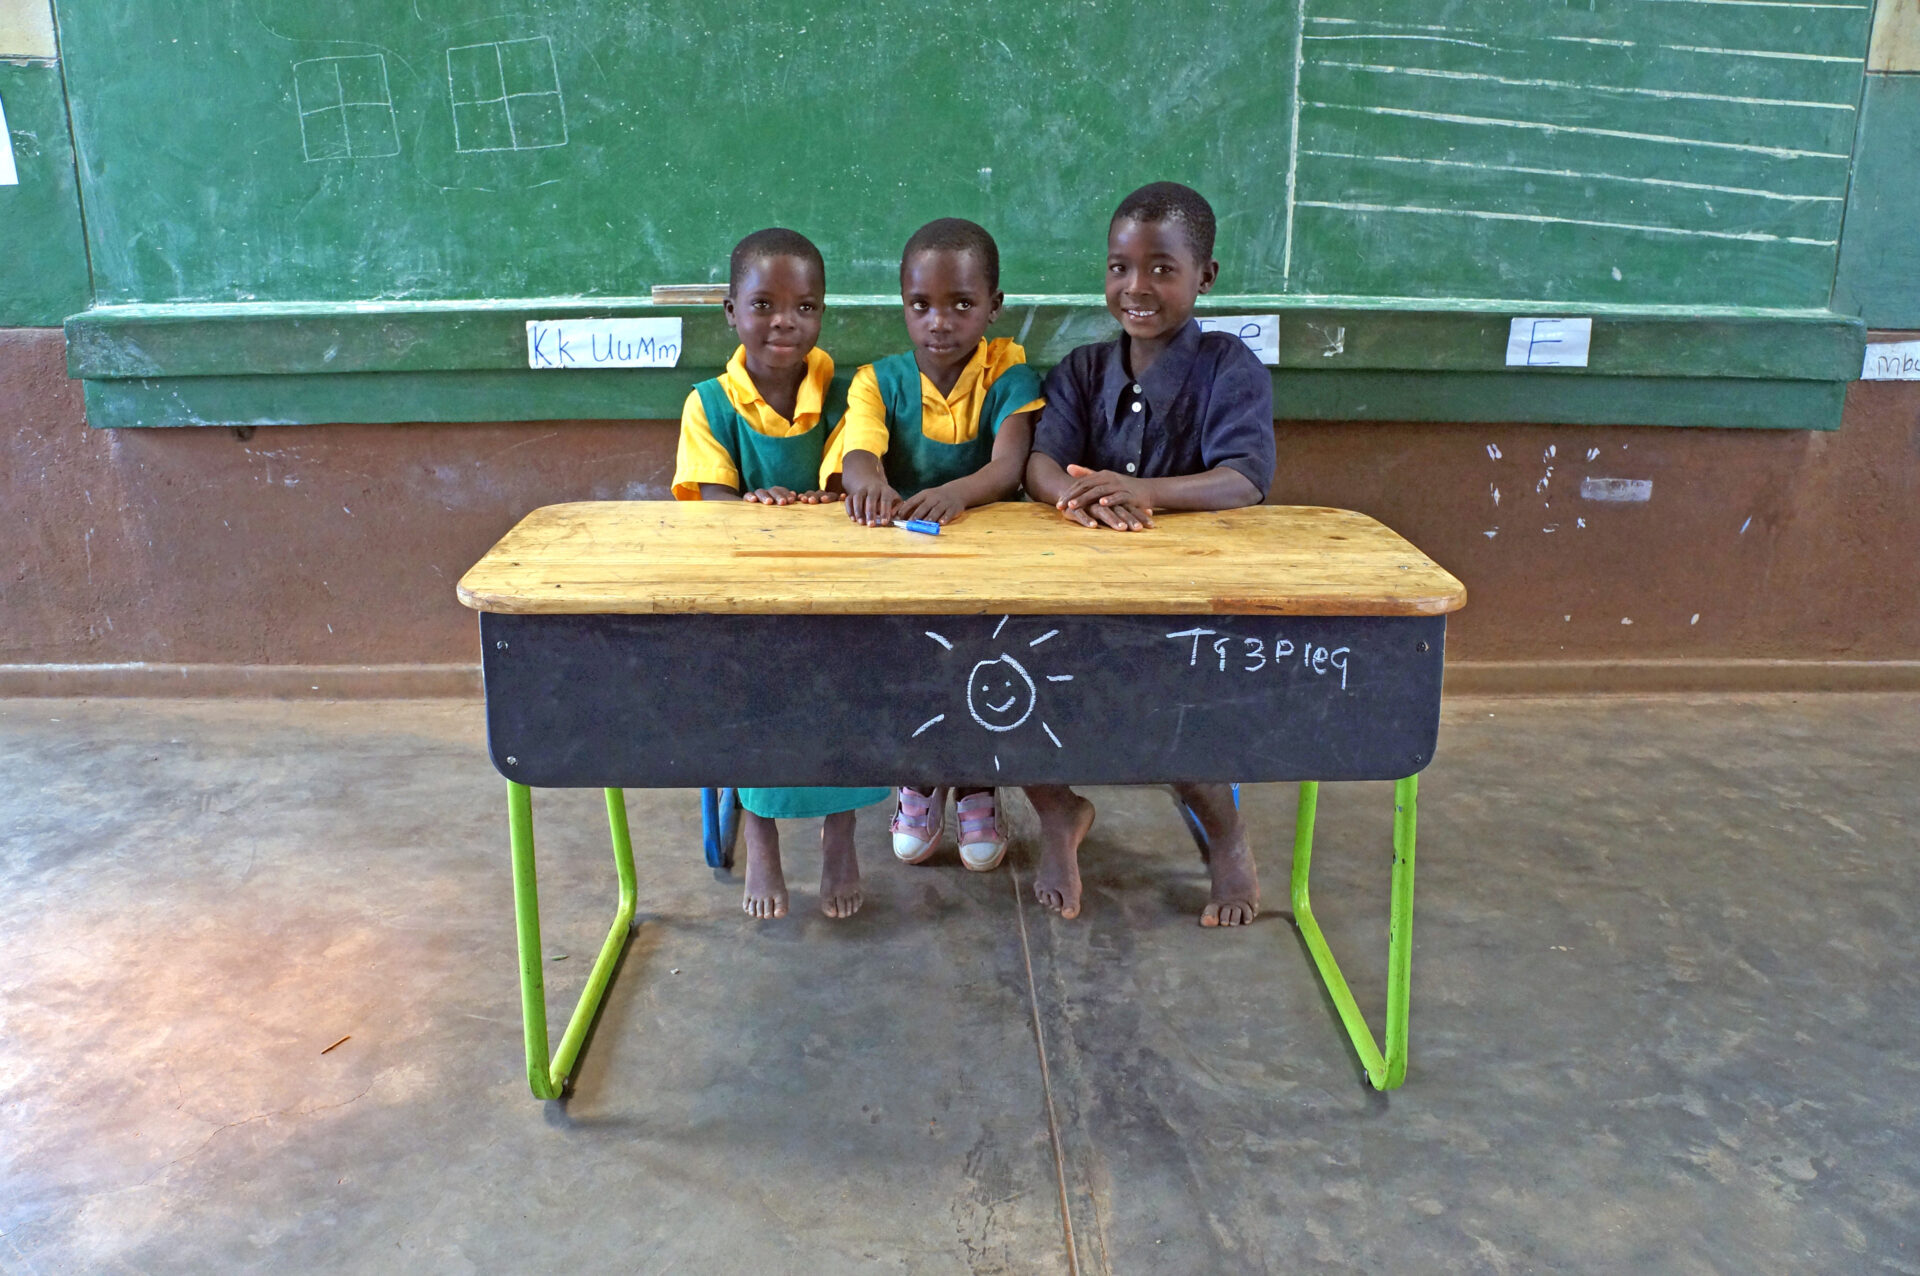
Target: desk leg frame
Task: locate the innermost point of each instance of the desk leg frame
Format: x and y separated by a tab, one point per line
548	1080
1385	1069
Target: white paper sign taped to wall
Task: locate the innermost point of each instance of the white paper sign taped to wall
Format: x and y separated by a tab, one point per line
603	343
9	175
1892	361
1260	332
1549	343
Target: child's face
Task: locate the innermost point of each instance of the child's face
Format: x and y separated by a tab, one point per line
1154	277
948	304
775	308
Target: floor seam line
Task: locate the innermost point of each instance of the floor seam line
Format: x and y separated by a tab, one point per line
1046	1081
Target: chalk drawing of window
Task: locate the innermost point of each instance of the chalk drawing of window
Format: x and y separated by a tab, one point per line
346	109
506	96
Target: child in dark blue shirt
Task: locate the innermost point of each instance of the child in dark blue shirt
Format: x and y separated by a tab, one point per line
1165	418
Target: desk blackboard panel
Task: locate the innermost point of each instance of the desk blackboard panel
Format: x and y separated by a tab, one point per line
702	700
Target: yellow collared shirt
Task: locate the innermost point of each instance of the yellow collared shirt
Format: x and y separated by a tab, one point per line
953	417
701	457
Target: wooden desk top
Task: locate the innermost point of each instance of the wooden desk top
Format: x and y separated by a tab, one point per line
1017	557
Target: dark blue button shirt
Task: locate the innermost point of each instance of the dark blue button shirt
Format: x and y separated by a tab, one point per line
1206	402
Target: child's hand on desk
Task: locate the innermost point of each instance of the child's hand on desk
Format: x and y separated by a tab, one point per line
876	504
935	504
1103	497
786	496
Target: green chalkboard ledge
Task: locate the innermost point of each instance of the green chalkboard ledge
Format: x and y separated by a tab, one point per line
1339	358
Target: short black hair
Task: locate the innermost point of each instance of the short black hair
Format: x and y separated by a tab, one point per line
955	235
774	241
1184	206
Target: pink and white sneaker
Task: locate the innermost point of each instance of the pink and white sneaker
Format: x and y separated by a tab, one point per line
983	838
917	825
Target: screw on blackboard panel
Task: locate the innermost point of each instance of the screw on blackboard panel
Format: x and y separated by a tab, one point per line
1420	646
513	761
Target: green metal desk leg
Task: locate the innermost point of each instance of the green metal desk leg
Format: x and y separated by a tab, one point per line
1386	1071
547	1080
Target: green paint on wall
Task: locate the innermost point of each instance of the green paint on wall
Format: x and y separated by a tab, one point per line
1879	277
43	257
634	395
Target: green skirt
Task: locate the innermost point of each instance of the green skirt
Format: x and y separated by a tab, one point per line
804	804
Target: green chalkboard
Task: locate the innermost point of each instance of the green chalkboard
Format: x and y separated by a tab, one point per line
1673	152
43	259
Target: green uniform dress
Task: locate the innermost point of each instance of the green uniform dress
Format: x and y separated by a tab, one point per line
915	462
764	461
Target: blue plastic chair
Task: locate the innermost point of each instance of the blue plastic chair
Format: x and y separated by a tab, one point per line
719	825
1193	822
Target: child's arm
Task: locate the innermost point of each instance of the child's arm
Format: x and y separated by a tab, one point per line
870	498
852	463
998	479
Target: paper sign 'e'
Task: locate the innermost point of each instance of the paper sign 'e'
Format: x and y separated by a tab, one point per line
1260	332
1549	343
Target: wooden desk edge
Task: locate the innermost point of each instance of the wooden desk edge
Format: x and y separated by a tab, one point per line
1440	603
1431	605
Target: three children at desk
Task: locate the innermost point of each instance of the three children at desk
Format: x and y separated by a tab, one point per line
1163	418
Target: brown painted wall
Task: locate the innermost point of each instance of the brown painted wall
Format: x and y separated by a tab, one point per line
340	544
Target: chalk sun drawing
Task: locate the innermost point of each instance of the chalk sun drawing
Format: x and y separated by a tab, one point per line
1001	694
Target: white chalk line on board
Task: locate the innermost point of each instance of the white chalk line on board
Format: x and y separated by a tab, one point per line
1446	117
935	720
937	638
1665	94
1436	39
1574	173
1750	236
1293	141
1759	53
1766	4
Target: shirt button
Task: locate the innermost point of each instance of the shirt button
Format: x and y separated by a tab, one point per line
1129	467
1136	389
1136	406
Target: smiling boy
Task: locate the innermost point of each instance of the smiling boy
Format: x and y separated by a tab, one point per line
928	434
1165	418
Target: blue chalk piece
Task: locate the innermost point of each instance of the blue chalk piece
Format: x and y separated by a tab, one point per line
925	526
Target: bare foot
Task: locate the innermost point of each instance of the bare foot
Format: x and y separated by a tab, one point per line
840	894
1065	818
1236	887
766	884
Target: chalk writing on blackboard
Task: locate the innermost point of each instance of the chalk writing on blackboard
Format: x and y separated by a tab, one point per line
506	96
1001	694
1233	653
346	108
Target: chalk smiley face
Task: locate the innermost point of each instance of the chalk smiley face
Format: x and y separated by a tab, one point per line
1000	693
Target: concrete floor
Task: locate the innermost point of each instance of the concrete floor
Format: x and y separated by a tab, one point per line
1665	976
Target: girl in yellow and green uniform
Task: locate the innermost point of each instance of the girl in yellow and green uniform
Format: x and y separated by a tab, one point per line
758	433
927	435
